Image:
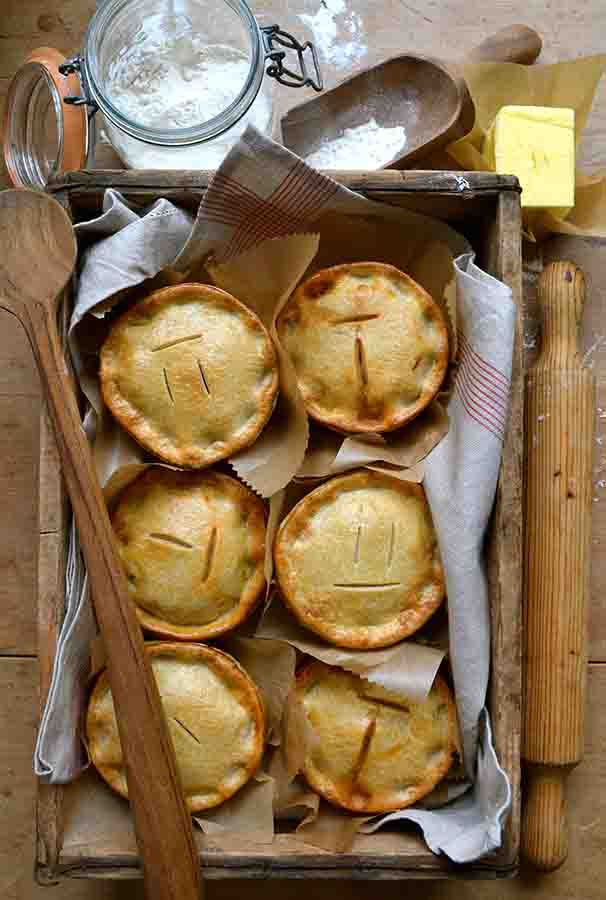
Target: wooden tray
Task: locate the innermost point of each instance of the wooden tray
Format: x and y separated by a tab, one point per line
486	208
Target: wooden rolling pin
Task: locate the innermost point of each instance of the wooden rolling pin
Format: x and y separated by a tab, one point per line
37	257
560	409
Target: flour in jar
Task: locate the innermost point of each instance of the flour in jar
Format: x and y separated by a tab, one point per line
167	80
368	146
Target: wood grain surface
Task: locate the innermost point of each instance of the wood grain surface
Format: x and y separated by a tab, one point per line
368	31
560	410
560	403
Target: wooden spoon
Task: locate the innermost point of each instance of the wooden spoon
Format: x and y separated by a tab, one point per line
37	257
427	97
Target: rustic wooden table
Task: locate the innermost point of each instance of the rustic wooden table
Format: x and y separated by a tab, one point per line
349	34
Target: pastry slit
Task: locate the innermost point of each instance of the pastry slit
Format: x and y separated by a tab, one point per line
185	728
363	754
210	554
203	378
191	337
392	541
167	383
357	549
366	585
391	704
353	320
170	539
361	366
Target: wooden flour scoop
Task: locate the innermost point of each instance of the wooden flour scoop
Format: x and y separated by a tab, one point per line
560	409
427	97
37	257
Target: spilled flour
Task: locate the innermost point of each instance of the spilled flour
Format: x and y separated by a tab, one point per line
338	33
368	146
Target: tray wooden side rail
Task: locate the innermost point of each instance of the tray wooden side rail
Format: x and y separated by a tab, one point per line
486	208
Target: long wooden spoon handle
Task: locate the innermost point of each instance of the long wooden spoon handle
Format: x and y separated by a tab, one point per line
560	410
162	822
515	44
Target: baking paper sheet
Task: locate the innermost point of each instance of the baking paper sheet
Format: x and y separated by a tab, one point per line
566	84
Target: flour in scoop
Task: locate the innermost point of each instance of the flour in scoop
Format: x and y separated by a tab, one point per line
167	80
368	146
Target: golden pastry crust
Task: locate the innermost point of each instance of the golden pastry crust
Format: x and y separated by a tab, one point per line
357	560
193	547
215	718
190	373
373	751
369	345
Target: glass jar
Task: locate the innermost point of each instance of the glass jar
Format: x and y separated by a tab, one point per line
176	81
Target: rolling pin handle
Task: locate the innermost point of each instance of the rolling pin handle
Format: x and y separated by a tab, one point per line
544	841
561	297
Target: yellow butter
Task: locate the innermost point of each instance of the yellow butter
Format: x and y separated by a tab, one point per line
536	143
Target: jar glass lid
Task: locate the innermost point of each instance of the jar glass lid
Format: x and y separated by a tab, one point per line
43	137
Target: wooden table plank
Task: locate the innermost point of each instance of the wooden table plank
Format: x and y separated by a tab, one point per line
18	722
18	375
19	417
27	24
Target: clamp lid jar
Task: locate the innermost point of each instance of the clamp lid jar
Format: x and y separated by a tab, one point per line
177	81
43	136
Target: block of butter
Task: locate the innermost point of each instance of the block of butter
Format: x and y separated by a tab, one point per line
536	143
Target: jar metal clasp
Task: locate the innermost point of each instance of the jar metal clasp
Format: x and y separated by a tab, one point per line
71	66
275	43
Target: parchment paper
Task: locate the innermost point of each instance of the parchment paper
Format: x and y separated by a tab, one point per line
330	454
406	668
568	84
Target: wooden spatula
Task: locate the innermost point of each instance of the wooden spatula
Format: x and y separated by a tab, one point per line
37	257
560	410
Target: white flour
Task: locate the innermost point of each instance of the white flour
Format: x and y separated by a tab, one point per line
165	80
338	33
367	146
